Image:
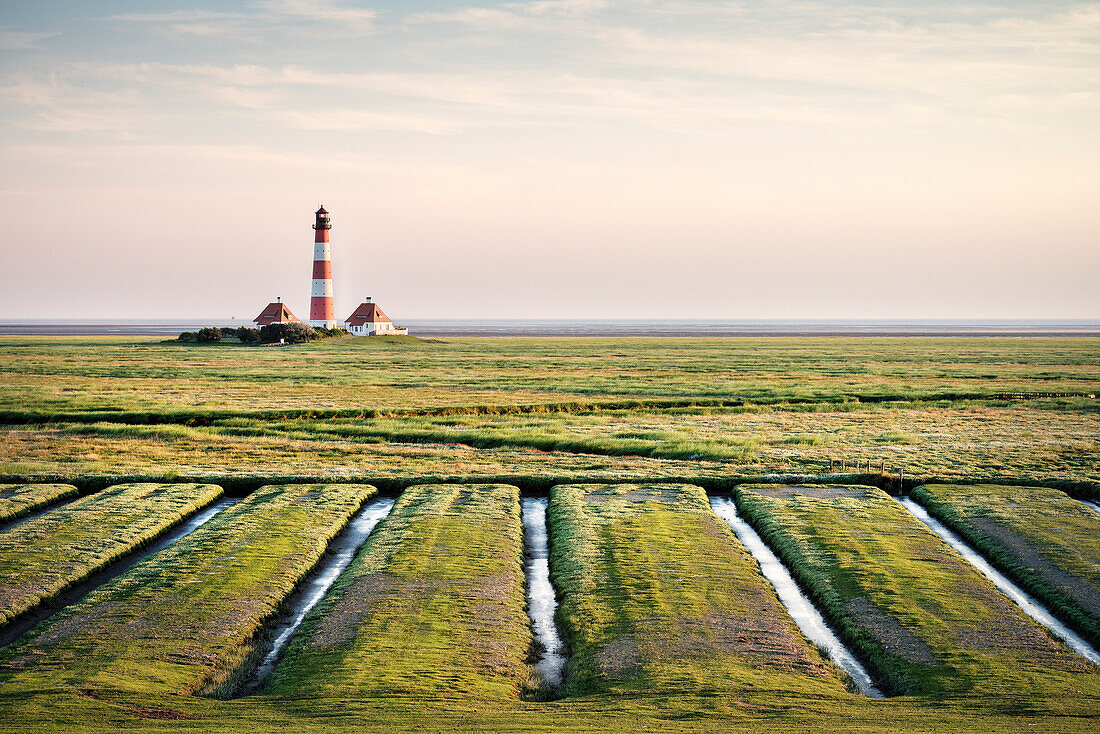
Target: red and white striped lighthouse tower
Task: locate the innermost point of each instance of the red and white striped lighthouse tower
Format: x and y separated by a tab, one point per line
322	312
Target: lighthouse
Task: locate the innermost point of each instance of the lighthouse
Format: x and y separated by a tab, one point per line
322	312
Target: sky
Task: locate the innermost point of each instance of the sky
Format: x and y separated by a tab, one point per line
552	158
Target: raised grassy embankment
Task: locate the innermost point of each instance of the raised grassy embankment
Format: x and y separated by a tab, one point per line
17	500
927	622
185	620
433	605
658	597
46	555
1044	540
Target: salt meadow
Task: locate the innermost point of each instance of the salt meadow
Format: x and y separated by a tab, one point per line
628	445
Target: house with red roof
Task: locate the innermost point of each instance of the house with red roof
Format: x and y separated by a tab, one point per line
368	319
275	313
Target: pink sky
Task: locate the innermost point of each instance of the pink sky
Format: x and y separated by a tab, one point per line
573	159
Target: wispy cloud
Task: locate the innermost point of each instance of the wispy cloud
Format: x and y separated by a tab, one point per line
21	40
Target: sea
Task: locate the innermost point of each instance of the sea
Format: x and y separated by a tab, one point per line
606	327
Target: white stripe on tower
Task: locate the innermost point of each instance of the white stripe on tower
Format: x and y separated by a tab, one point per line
322	311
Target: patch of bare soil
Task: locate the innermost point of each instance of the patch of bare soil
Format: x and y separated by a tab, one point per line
891	634
1010	631
618	659
143	712
782	491
339	624
1075	587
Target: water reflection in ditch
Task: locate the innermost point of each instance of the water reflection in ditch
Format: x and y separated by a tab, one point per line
1031	607
801	609
341	553
1095	507
541	602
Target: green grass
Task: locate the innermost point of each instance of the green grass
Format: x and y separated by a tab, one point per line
926	620
1044	540
50	553
81	374
432	607
188	619
657	596
533	413
17	500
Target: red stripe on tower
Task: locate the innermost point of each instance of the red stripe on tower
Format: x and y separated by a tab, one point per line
322	311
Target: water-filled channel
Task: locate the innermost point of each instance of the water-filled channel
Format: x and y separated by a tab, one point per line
541	602
1031	607
801	609
340	554
1095	507
72	595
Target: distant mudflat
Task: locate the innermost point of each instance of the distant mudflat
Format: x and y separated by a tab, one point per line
596	327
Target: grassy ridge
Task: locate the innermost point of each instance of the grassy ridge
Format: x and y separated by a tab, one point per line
433	606
1045	541
17	500
186	620
46	555
925	619
657	596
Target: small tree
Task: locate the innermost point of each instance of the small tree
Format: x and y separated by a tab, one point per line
187	336
209	334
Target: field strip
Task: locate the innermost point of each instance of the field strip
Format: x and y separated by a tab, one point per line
1030	606
798	605
658	597
340	553
923	618
432	606
175	415
1045	541
542	604
19	500
25	622
187	620
46	555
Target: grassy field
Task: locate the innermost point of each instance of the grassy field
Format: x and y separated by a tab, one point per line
1044	540
926	620
658	596
17	500
433	606
82	374
47	554
185	620
444	645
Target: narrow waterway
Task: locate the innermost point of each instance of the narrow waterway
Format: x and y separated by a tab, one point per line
340	554
1095	507
72	595
1027	603
541	602
798	605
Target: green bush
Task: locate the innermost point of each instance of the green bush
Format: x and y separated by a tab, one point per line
247	335
209	334
291	333
187	336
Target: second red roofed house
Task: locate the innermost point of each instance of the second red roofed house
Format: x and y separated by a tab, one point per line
368	319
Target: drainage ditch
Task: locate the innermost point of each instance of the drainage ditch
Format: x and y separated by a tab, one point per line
340	554
1025	601
541	601
72	595
798	605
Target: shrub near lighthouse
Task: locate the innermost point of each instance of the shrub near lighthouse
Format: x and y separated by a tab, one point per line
322	312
